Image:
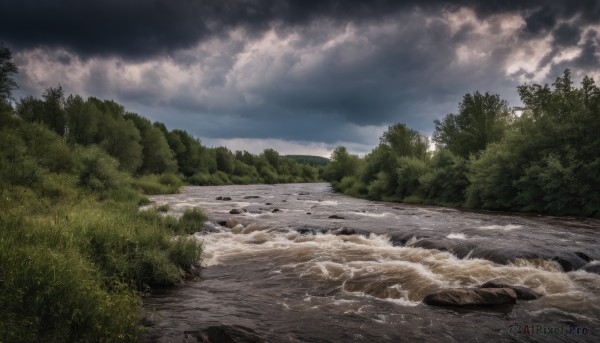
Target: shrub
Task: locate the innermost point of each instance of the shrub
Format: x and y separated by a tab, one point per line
191	221
98	171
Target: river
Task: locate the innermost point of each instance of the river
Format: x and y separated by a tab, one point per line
306	264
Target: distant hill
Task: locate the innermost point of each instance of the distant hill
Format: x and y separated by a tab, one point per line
309	159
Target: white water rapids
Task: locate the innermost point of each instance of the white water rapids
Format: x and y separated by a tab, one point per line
293	276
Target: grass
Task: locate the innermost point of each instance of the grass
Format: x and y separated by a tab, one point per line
74	264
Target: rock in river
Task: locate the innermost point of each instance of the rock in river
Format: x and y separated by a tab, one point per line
471	297
523	293
236	211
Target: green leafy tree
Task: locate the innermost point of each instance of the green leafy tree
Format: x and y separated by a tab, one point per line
30	109
272	157
341	164
121	139
482	119
82	120
54	115
157	155
446	180
405	142
7	71
188	152
224	159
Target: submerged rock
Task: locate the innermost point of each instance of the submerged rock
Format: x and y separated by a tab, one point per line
236	211
523	293
592	268
570	262
335	216
312	230
223	198
251	197
401	238
226	334
347	232
276	210
471	297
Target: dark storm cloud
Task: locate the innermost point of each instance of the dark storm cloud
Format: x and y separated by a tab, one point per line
333	66
566	35
142	28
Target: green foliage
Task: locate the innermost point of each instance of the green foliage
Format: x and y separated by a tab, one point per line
72	268
544	161
53	109
98	171
446	181
379	188
342	164
310	160
408	174
7	71
405	142
157	155
82	120
192	221
121	139
224	159
482	119
17	166
157	184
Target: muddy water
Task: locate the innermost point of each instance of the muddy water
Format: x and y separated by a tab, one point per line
297	275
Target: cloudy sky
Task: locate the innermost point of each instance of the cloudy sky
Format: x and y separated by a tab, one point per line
300	76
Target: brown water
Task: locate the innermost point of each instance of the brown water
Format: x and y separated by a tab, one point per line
292	277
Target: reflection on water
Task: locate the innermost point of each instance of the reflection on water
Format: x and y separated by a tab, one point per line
292	275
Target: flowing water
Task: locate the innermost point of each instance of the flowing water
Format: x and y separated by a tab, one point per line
297	275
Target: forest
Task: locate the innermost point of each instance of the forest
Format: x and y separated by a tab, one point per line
542	157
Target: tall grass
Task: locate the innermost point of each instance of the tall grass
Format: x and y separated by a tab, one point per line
74	268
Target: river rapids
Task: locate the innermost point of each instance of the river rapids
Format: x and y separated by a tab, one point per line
302	263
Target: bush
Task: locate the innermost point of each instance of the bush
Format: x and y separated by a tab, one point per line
98	171
157	184
191	221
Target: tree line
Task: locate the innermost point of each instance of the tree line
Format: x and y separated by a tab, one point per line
140	147
542	157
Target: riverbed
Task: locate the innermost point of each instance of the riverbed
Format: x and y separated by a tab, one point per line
302	263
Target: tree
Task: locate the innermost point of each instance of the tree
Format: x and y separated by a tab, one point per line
53	109
482	119
121	139
342	164
157	155
187	150
82	120
7	70
405	142
224	159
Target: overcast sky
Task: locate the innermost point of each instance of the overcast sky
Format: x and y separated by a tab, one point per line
300	76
